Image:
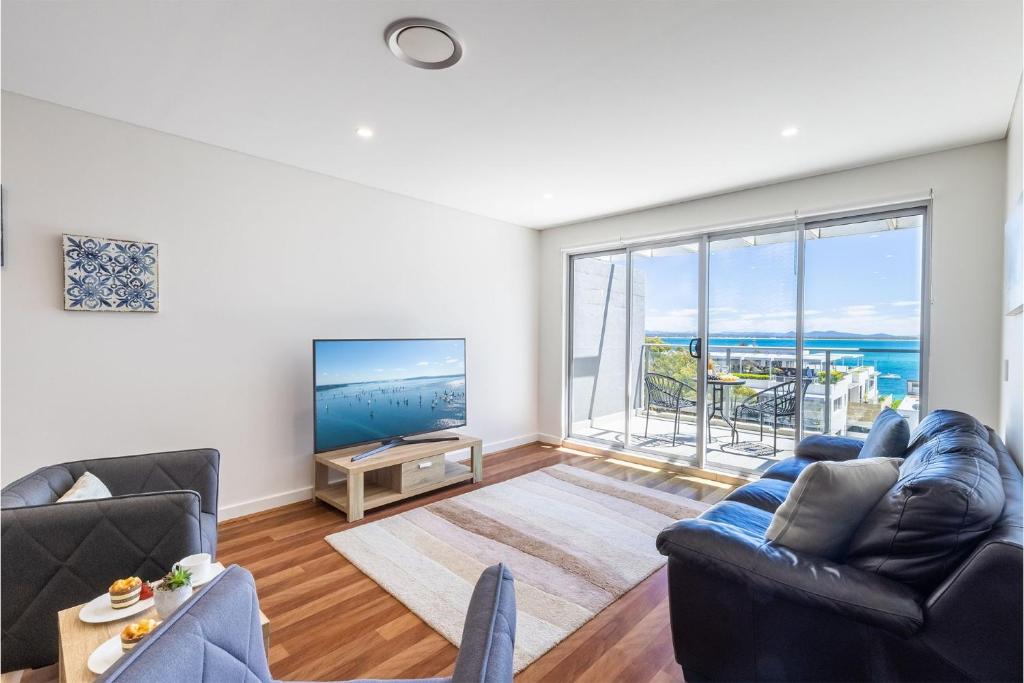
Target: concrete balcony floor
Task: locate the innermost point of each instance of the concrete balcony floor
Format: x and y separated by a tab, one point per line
748	454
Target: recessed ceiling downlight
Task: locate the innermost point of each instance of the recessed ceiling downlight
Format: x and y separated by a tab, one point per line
423	43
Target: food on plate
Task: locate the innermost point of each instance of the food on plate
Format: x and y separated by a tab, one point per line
147	591
125	592
133	633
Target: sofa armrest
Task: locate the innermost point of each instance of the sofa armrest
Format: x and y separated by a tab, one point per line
801	579
985	592
193	470
824	447
489	633
59	555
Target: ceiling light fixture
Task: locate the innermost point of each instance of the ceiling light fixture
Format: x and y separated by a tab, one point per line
423	43
364	132
790	131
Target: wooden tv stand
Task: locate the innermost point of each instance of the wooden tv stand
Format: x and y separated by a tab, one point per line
392	475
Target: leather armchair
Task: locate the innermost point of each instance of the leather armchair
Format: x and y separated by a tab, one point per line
57	555
216	636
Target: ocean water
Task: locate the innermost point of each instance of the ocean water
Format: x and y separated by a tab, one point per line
877	353
369	411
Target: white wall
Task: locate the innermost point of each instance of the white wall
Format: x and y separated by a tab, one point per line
1012	399
966	262
256	259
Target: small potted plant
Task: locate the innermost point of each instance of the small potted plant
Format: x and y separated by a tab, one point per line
172	591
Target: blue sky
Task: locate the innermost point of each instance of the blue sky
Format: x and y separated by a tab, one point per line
367	361
863	284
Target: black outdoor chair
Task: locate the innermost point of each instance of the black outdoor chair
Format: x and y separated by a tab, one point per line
774	402
668	393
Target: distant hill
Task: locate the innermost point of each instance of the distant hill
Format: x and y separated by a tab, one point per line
816	334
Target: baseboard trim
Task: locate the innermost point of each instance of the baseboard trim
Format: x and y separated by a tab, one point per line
255	505
550	439
276	500
514	442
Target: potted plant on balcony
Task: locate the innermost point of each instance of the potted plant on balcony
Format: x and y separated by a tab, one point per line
172	591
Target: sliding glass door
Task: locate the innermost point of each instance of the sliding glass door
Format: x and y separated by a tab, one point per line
666	303
598	347
722	349
755	373
863	321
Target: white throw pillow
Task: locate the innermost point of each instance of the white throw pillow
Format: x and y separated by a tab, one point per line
88	487
828	502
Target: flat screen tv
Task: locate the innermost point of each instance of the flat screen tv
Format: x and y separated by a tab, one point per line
368	390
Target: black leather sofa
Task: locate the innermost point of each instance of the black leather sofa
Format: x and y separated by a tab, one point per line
744	609
57	555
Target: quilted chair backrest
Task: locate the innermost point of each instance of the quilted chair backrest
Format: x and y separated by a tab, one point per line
42	487
190	470
215	636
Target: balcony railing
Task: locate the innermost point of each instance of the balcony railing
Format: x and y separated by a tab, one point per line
851	370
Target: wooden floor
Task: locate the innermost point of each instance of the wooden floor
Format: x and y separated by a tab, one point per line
329	621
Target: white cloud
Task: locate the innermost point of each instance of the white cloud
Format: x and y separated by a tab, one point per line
423	362
908	302
904	325
859	310
449	359
379	370
675	320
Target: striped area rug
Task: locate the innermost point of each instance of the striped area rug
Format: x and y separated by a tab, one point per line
575	541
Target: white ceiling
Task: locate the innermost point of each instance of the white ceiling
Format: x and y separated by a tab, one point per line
608	106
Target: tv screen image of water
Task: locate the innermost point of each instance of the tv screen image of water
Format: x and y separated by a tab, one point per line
371	411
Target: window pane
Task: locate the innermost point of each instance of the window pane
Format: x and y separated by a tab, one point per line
598	363
665	299
862	316
752	361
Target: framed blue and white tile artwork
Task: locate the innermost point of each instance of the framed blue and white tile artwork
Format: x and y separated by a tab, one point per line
102	274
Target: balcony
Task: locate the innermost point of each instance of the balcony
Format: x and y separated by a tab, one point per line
752	425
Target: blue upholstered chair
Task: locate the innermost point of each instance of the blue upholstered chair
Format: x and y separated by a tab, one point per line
216	636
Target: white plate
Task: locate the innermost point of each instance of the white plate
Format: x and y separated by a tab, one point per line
103	657
210	575
99	611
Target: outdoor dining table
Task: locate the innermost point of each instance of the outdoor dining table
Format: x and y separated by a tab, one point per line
718	392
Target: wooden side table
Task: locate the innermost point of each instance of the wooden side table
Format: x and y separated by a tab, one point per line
78	640
392	475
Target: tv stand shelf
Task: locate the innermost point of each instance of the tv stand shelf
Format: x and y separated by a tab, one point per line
392	475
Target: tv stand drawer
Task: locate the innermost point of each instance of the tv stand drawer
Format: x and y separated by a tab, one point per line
417	473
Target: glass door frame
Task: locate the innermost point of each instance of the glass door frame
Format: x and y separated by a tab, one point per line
794	226
570	311
921	208
797	224
701	240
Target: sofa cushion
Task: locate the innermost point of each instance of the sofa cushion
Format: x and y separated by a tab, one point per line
764	494
888	437
88	487
826	447
943	422
948	496
748	520
828	502
788	469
